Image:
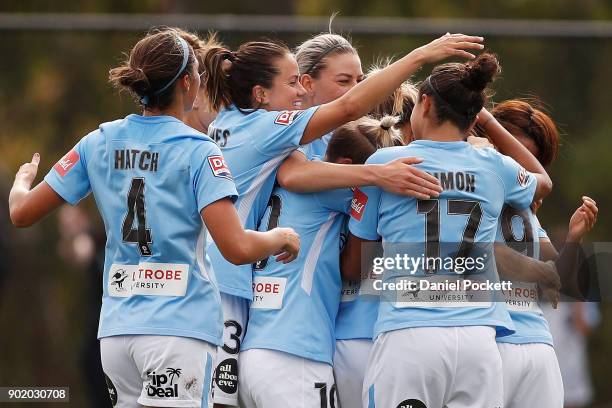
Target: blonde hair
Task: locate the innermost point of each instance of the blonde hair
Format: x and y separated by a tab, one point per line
360	138
312	54
400	103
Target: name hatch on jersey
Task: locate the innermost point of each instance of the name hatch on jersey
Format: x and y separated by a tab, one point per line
358	203
67	162
287	117
219	167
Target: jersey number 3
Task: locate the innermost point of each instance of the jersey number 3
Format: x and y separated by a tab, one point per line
136	209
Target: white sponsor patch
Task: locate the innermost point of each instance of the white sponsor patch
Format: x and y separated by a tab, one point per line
268	292
152	279
350	291
423	293
523	297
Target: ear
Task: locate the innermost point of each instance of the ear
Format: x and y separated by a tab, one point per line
306	81
344	160
426	102
186	82
259	95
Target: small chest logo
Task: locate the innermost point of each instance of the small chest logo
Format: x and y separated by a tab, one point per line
67	162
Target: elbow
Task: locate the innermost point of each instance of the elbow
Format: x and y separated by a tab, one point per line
287	180
20	219
238	255
545	187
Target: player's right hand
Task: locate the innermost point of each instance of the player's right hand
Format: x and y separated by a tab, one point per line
399	177
450	45
27	172
291	249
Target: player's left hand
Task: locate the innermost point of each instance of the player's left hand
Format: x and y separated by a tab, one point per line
583	220
27	172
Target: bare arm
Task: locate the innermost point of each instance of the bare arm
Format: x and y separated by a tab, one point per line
515	266
570	259
240	246
302	176
510	146
362	98
28	206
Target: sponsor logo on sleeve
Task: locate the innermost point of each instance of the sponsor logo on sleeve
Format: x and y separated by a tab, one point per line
219	167
67	162
286	118
358	203
523	177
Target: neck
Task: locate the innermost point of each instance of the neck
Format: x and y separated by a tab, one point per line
446	132
174	111
191	119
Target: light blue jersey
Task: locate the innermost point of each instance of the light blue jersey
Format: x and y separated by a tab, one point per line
317	148
254	146
151	177
295	305
443	237
522	232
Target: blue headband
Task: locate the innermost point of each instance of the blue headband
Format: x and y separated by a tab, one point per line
145	99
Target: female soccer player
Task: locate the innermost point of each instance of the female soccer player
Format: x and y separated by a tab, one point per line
286	357
154	180
400	104
260	124
418	339
530	367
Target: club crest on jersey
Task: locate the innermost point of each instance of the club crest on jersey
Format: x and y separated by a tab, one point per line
523	177
219	167
358	204
67	162
286	118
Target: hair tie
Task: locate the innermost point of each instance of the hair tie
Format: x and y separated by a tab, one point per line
185	52
385	127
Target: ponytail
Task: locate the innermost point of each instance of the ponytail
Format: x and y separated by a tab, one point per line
359	139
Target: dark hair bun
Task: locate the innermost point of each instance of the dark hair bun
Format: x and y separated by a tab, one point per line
480	72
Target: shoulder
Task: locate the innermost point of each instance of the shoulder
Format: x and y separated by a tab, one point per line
387	154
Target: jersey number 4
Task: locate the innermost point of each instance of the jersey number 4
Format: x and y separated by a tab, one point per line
139	234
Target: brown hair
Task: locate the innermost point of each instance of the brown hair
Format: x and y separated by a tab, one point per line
230	76
519	115
359	139
312	54
459	90
152	64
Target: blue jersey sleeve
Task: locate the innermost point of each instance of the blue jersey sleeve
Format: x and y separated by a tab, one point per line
364	213
519	184
211	176
69	177
276	132
336	200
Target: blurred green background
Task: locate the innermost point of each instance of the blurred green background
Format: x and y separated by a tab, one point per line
53	90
